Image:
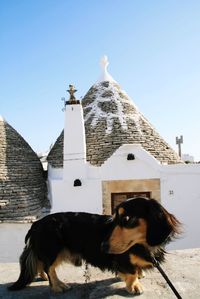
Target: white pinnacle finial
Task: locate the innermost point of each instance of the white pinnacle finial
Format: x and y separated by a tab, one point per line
1	118
104	63
105	75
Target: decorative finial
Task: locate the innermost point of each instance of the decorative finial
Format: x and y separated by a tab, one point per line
72	91
105	75
104	63
72	99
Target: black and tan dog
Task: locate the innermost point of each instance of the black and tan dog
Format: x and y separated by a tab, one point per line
124	243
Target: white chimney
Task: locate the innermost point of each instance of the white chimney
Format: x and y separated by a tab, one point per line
74	139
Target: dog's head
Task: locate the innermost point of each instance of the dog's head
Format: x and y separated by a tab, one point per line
141	221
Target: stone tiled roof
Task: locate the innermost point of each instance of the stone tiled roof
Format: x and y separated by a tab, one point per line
22	185
55	156
112	119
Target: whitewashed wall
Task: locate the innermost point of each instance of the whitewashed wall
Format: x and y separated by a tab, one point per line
118	167
180	193
65	197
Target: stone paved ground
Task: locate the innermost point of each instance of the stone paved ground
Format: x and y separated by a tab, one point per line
182	268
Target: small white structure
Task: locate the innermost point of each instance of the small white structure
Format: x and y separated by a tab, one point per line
111	152
187	158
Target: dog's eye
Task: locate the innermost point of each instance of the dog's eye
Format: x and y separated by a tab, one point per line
129	221
127	218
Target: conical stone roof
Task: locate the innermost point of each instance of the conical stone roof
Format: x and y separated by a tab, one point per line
111	120
22	184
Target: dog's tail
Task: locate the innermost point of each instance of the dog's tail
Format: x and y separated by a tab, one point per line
28	268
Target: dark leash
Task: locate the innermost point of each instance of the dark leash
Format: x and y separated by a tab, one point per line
157	265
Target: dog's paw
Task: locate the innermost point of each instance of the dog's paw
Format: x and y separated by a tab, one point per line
138	288
60	287
135	288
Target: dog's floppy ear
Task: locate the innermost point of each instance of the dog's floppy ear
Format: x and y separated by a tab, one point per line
161	225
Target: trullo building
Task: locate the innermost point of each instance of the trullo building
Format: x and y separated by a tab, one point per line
108	151
22	184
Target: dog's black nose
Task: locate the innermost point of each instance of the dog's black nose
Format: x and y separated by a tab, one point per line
105	247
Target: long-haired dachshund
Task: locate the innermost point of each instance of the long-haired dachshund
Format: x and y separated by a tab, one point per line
123	243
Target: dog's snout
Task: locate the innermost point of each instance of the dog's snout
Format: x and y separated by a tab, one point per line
105	247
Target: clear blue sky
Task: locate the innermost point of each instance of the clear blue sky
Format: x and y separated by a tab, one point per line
154	53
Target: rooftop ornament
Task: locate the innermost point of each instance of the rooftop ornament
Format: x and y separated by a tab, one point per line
179	141
105	76
72	100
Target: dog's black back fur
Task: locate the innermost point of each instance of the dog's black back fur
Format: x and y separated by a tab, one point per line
80	233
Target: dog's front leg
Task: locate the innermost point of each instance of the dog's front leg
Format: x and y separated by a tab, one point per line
132	283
